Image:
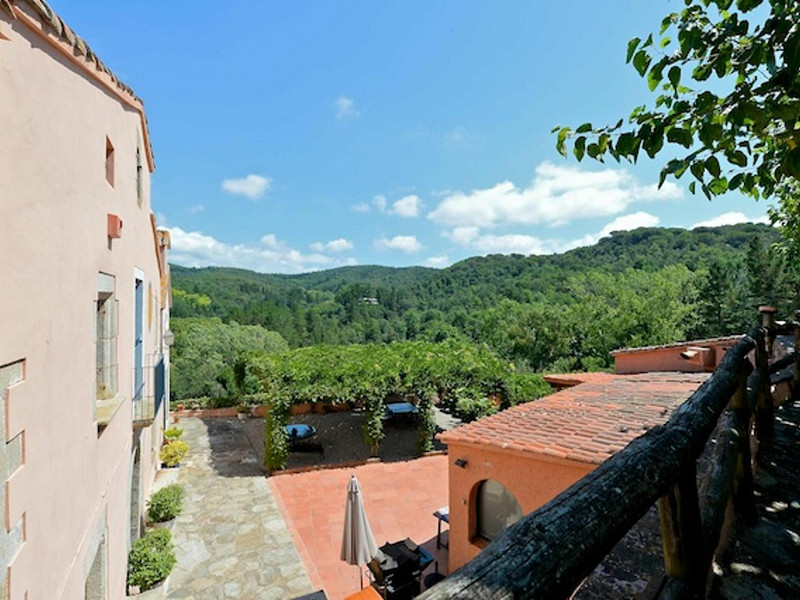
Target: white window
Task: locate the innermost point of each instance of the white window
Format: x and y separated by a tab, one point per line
106	337
497	509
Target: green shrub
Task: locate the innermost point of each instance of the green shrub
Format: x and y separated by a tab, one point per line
173	433
151	559
276	444
172	453
427	423
470	406
165	504
521	388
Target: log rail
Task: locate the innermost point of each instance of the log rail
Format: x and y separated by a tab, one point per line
548	553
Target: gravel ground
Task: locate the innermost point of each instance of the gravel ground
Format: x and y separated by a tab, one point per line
341	435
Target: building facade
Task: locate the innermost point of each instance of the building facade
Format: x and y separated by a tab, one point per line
84	309
507	465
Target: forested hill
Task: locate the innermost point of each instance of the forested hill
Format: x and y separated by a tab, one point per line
516	297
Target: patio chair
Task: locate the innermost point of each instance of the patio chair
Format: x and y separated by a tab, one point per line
393	587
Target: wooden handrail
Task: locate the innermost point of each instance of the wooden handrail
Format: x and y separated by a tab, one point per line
550	551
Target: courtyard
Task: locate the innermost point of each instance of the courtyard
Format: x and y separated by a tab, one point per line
243	535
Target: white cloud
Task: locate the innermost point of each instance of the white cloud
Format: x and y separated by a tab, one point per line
516	243
379	202
624	223
556	196
362	207
197	208
407	206
463	235
437	262
404	243
459	138
345	108
731	218
252	186
338	245
268	255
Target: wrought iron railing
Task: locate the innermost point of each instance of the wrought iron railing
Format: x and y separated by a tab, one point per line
150	392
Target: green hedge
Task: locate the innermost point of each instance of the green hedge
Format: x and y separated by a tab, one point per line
367	374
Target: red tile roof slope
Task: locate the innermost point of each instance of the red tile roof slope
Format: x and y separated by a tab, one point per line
586	423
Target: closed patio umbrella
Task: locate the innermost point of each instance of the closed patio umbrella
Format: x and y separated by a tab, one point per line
358	544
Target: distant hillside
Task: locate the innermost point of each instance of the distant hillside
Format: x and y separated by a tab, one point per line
337	306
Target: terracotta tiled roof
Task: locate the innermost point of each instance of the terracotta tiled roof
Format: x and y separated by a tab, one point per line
732	339
573	379
586	423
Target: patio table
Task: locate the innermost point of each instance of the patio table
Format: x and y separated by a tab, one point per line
300	431
401	411
441	514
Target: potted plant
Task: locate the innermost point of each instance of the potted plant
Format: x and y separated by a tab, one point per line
172	434
164	505
151	560
172	453
243	411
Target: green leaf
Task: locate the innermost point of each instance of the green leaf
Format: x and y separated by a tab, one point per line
692	187
632	45
738	158
718	186
641	61
580	147
654	76
678	135
584	128
561	145
665	42
625	144
674	76
697	169
712	166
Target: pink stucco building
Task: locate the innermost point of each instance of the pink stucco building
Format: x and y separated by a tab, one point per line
84	309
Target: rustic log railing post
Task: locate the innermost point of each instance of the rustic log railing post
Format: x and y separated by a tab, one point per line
796	381
765	411
682	530
744	501
768	323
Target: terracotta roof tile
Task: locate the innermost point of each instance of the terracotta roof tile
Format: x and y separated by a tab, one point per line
588	422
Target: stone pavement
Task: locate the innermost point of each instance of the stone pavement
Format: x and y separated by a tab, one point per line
231	540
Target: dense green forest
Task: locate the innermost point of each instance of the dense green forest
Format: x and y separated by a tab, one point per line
557	312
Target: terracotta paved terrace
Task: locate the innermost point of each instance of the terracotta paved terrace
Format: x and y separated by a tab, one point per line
399	497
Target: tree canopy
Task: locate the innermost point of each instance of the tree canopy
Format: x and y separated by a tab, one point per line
727	77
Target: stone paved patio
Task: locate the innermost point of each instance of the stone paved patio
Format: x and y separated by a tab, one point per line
231	540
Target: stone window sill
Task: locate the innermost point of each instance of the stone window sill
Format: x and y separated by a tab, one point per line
106	409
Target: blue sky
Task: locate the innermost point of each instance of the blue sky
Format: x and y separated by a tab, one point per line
296	136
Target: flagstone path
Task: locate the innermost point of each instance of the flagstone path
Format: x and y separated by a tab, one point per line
231	540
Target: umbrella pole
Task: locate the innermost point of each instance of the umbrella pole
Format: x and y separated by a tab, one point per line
361	576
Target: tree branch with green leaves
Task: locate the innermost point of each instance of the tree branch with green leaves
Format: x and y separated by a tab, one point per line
746	138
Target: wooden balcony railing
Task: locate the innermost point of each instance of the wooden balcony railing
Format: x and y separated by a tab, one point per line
548	553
